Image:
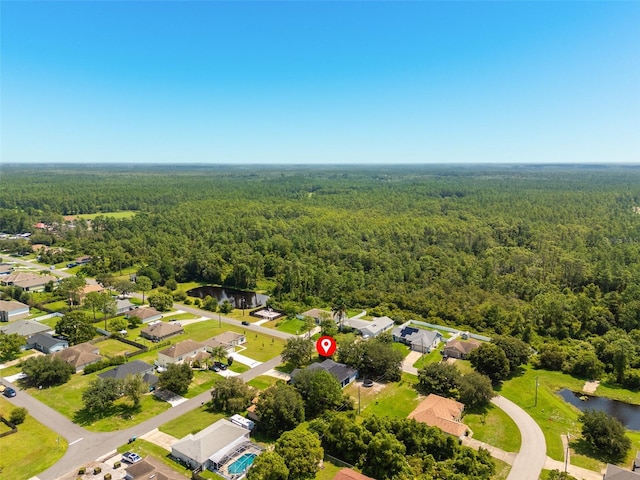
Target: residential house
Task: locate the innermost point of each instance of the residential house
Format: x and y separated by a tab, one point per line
123	306
616	473
344	374
145	314
137	367
12	310
5	269
29	282
212	343
231	338
418	339
159	331
25	328
180	352
47	343
150	468
441	412
83	260
88	289
215	448
460	349
348	474
79	356
317	314
376	326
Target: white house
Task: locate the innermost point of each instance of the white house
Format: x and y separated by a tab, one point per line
12	310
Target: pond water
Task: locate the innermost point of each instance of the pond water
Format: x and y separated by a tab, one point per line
627	413
236	297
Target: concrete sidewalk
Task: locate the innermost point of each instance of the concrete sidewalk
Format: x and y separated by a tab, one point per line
495	452
250	362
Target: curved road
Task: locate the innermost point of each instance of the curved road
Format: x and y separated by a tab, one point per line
533	451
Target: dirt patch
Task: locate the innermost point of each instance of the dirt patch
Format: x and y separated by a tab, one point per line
590	387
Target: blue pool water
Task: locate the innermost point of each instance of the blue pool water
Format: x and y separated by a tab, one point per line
242	464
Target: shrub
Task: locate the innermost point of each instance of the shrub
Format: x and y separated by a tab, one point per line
82	470
18	415
107	476
117	464
97	470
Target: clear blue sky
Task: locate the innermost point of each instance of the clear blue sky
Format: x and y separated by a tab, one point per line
320	82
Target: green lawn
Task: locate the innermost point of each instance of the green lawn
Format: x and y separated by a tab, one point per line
328	470
464	366
554	415
118	214
59	306
402	348
239	367
396	399
203	380
293	326
433	357
144	448
262	382
113	348
259	347
495	428
31	450
502	470
191	422
181	316
50	322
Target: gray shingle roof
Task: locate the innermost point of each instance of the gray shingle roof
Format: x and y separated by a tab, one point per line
26	328
129	368
210	441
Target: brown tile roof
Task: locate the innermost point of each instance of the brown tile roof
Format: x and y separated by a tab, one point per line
77	358
143	313
27	279
437	411
149	467
91	288
181	348
10	306
162	329
463	346
348	474
317	313
228	337
200	356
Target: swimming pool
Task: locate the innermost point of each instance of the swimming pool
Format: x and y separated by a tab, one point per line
242	464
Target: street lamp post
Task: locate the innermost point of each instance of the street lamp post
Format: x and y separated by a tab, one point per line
566	454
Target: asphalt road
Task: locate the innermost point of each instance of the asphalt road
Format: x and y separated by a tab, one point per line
533	451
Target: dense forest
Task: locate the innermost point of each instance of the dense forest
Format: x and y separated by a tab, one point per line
536	252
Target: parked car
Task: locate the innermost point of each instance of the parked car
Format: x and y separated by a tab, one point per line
131	457
221	366
244	322
9	392
215	368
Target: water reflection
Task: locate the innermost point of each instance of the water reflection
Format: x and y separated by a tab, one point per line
627	413
238	298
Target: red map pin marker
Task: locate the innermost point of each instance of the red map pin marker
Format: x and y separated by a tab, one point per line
326	346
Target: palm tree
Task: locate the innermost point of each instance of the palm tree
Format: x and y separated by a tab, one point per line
339	310
219	353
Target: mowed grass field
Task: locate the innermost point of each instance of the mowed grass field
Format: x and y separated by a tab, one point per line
494	427
396	399
191	422
31	450
119	214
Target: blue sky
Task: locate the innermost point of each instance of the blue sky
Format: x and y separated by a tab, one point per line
320	82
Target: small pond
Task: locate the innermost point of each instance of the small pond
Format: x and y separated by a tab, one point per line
236	297
627	413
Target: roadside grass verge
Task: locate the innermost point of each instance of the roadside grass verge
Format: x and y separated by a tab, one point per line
191	422
502	470
31	450
262	382
239	367
494	427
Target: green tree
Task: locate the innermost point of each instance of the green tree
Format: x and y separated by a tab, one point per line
18	415
268	466
124	287
558	475
279	408
10	345
108	305
516	351
176	378
210	304
143	284
320	391
219	353
231	395
301	451
339	310
385	457
439	378
100	394
381	361
76	327
298	351
46	371
225	307
328	327
134	387
490	360
475	390
160	301
118	324
70	288
605	434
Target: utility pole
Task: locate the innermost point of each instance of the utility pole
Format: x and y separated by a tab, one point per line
566	454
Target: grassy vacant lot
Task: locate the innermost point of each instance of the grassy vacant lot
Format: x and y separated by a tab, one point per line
293	325
113	348
118	214
31	450
203	380
494	427
555	416
181	316
393	400
259	347
191	422
262	382
67	399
